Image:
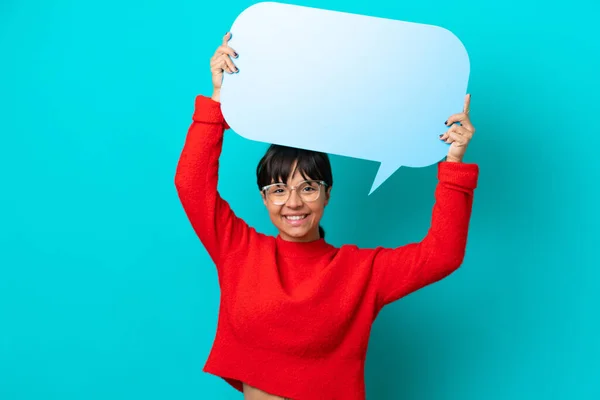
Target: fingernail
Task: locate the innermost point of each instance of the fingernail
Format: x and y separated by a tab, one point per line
441	135
235	54
446	123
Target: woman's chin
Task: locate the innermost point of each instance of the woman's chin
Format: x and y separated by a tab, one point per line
300	234
296	232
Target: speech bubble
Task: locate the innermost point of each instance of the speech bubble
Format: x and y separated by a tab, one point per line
347	84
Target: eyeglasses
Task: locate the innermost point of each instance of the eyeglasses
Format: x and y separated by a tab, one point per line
279	193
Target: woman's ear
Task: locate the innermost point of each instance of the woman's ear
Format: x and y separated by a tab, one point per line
327	195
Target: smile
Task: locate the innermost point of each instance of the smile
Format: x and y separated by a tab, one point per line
295	217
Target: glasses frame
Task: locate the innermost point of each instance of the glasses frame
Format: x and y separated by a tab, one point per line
293	189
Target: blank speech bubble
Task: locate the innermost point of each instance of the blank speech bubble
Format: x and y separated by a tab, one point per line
345	84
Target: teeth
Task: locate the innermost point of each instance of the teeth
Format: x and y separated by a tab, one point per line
296	217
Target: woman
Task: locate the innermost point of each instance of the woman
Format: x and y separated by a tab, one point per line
296	312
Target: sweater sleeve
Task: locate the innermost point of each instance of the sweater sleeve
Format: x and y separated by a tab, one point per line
211	217
405	269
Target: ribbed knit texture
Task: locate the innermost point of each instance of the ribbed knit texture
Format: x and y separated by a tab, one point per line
295	318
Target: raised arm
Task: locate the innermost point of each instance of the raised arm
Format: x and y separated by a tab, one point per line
405	269
196	178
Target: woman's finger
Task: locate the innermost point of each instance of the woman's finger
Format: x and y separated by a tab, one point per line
467	106
216	65
458	130
446	134
463	119
225	47
461	130
226	50
231	68
226	38
223	63
460	117
456	137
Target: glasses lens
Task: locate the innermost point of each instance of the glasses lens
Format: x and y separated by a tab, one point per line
278	194
309	191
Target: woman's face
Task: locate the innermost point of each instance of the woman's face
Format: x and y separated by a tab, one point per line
296	220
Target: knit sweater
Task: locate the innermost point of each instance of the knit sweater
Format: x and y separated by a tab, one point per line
295	318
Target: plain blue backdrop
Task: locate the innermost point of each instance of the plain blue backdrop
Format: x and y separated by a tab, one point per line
105	292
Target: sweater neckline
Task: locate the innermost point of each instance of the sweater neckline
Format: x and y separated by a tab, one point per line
302	249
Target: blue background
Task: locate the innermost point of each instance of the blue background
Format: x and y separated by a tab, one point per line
105	293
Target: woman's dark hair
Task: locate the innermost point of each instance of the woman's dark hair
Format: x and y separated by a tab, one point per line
277	163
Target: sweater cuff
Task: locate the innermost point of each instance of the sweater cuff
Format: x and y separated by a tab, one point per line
208	111
458	173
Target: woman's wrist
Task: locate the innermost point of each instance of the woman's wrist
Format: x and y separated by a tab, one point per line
453	159
216	96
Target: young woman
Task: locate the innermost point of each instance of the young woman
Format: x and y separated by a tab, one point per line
296	312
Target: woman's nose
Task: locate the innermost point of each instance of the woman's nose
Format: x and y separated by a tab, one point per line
294	200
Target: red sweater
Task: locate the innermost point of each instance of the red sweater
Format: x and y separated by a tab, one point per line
295	318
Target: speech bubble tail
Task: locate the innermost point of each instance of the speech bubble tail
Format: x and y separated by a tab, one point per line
386	169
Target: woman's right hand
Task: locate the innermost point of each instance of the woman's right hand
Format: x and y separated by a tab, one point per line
220	62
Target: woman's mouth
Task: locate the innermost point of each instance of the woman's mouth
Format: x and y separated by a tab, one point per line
295	220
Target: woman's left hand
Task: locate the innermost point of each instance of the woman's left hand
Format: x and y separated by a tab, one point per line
459	136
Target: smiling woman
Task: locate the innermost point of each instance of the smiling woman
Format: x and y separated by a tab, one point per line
296	312
296	186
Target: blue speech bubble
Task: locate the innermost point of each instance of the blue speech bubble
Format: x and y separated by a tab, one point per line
346	84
